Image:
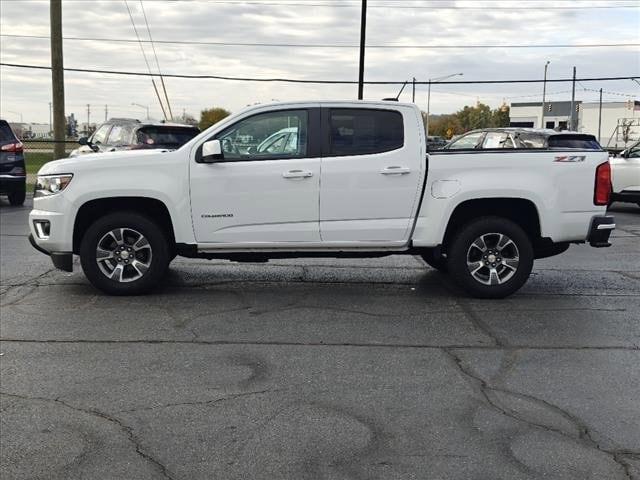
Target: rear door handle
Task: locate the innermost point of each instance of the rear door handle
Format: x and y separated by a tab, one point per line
297	174
395	170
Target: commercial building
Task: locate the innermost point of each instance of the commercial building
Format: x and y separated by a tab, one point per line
615	126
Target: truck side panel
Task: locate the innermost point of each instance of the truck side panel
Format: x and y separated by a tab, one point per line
559	183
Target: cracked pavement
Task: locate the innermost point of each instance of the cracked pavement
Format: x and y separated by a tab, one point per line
321	369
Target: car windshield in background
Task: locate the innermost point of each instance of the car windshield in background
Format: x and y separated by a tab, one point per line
153	137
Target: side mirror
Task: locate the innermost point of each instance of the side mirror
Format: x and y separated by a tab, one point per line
212	151
83	141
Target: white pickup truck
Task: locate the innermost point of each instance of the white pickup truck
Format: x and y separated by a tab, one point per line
335	179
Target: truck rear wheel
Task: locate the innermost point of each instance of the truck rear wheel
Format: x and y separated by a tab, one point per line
124	253
490	257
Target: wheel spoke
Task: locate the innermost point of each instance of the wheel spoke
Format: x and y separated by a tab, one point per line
474	267
503	243
140	267
494	278
116	234
480	244
141	243
103	254
511	263
117	272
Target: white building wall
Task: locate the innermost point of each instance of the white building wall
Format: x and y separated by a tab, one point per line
526	114
612	114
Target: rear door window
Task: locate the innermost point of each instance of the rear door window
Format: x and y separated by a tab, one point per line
364	131
497	140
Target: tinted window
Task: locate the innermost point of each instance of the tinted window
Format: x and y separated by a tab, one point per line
6	135
530	140
281	134
364	131
469	141
585	142
160	136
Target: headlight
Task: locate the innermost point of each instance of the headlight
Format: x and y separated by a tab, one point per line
51	184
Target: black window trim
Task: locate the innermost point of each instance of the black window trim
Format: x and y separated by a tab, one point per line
313	137
326	130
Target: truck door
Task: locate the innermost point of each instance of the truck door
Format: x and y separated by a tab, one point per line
372	172
265	190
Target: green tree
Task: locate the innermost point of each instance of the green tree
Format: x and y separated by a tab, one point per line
500	117
212	115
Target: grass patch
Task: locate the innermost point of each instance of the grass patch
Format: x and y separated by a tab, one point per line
35	160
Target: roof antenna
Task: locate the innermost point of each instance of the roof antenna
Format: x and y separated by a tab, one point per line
395	99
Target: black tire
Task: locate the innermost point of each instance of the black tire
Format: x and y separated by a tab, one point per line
158	259
16	198
435	261
462	246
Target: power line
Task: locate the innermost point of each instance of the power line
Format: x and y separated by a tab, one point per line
417	7
307	45
144	55
328	82
164	88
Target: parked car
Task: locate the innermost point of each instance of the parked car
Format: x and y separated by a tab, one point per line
13	176
435	142
509	137
625	175
131	134
360	183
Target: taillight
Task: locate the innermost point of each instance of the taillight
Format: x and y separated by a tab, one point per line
602	190
12	147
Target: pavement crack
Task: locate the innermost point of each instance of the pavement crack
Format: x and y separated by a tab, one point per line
104	416
208	403
584	433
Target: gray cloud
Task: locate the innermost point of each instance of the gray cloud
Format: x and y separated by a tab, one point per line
28	91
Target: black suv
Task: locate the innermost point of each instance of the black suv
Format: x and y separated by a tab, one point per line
13	176
131	134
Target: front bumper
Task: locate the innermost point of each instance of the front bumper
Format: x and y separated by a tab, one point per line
601	228
61	260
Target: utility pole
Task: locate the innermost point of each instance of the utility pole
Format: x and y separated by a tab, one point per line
50	126
88	118
600	116
57	78
413	93
363	27
544	93
572	126
106	112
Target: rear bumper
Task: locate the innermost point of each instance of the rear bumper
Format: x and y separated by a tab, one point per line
12	183
632	196
60	260
601	228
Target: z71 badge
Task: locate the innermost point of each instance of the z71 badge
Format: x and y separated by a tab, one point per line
569	158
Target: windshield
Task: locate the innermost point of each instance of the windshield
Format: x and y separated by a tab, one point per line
6	135
151	137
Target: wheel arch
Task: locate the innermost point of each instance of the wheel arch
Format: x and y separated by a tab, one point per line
521	211
153	208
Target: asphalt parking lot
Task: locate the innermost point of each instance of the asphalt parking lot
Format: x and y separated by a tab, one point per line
337	369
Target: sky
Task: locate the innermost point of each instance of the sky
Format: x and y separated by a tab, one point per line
25	93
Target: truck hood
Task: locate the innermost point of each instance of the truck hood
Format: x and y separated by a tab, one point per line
99	161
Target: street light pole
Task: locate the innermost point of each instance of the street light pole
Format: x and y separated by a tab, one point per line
429	95
544	93
146	107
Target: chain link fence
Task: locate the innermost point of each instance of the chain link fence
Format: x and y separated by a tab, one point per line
39	152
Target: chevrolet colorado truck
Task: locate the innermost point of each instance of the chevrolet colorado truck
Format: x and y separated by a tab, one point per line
340	179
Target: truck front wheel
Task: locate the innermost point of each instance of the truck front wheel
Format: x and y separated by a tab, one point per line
491	257
124	253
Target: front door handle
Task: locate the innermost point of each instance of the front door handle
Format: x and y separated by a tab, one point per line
297	174
395	170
